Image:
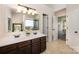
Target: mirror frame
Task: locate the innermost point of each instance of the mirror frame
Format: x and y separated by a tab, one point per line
36	28
14	24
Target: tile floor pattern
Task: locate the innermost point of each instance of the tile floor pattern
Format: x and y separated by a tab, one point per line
58	47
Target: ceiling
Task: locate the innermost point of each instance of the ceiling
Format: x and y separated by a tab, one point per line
49	5
56	7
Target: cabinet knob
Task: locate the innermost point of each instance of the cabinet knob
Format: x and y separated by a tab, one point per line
76	31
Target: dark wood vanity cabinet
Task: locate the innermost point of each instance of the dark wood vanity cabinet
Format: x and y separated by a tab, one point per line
25	50
36	46
24	47
43	43
8	49
33	46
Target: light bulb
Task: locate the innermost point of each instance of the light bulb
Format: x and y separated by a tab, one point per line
24	10
35	12
18	9
30	11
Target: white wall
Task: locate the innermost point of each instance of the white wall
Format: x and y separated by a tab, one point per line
57	14
17	18
1	22
4	14
61	12
55	28
58	10
73	25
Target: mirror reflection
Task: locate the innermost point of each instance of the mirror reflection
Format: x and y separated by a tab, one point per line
26	21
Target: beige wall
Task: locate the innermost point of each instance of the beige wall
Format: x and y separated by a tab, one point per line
61	12
58	7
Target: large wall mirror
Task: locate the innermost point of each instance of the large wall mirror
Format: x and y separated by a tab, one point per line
23	20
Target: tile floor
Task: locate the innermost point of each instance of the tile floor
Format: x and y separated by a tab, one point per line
58	47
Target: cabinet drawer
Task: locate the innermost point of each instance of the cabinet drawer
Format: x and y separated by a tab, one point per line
43	38
35	40
34	44
25	43
25	49
8	48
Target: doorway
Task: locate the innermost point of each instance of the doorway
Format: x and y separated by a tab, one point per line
45	24
62	28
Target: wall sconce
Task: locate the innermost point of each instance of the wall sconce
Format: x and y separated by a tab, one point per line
25	9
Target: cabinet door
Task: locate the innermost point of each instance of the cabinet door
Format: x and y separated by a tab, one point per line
24	47
43	43
36	48
43	46
29	49
36	40
22	50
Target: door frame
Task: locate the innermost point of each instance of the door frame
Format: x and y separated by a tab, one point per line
47	23
58	27
52	29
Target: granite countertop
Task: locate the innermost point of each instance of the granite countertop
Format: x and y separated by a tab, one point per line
10	39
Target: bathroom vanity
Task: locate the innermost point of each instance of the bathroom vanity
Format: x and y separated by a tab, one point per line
32	44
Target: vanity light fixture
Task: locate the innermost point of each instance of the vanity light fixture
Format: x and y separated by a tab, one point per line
30	11
25	9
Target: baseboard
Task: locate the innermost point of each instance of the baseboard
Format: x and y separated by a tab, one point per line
76	49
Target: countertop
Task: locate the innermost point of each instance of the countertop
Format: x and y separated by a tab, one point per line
10	39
